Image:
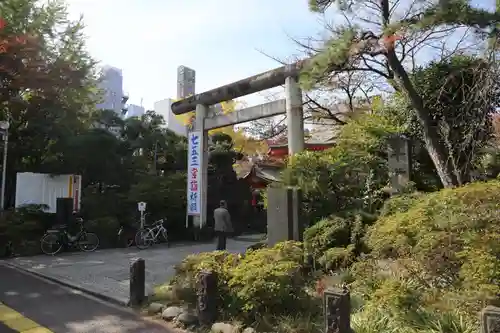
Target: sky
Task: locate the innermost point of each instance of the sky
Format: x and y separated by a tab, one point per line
222	40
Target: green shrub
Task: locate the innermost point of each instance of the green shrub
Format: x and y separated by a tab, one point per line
443	249
337	257
106	228
328	233
350	175
24	228
399	203
184	282
270	280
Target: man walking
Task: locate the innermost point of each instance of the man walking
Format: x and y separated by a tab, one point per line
222	225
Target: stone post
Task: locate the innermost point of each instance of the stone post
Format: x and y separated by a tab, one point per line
201	113
294	116
490	320
137	282
207	297
284	215
337	310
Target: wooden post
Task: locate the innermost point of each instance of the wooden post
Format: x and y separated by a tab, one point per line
490	320
207	297
337	310
137	282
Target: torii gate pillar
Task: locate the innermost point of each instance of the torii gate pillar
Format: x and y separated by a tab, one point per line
294	116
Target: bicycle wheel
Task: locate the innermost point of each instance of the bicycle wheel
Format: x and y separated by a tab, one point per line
128	240
88	242
143	239
50	244
164	237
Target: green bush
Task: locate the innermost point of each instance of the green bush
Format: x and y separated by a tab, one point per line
328	233
399	203
349	176
269	280
435	259
166	199
24	228
186	273
337	257
106	228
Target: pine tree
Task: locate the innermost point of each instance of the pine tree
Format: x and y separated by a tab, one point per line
377	49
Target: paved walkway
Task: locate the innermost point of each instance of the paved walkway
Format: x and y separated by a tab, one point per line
105	273
32	305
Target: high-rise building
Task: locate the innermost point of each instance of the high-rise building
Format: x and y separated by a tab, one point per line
163	108
186	78
134	111
112	86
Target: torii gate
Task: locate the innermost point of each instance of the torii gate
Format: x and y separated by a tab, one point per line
206	119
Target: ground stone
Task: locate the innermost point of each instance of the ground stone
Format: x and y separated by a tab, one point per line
224	328
171	312
249	330
155	308
187	318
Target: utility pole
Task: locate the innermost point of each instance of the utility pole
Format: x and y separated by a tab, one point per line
155	157
4	131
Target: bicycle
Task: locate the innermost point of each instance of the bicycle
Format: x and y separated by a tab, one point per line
126	235
53	240
149	235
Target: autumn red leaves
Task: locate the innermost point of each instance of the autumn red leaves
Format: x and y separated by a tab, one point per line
6	41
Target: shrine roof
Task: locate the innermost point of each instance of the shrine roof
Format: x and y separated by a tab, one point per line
266	172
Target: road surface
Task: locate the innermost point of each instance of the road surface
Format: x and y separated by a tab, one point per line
29	304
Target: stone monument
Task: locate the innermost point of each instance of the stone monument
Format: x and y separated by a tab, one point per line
207	297
490	320
399	161
337	310
284	215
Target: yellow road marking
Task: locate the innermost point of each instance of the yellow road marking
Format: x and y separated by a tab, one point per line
18	322
38	329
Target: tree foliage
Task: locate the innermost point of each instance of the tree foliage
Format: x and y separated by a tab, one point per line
376	49
348	176
48	93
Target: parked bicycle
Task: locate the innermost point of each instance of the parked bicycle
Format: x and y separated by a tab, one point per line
126	235
149	235
56	238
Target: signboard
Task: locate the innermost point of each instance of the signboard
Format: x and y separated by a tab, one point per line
194	173
141	206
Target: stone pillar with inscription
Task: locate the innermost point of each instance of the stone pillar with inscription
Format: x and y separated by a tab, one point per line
337	310
490	320
207	297
399	161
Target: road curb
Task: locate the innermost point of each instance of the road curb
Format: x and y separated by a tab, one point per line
67	284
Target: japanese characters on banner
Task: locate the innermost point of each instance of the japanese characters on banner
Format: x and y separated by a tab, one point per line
194	173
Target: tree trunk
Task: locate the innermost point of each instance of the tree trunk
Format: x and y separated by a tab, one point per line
436	150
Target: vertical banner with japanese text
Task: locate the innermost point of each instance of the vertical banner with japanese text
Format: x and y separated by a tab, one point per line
194	173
